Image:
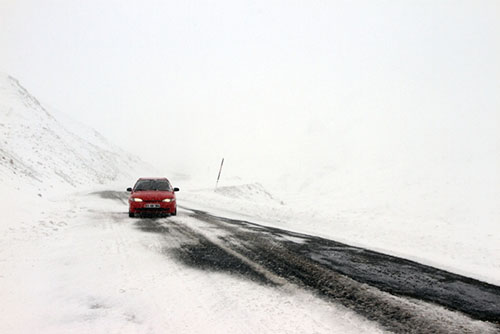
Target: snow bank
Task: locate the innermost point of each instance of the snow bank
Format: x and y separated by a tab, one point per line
254	192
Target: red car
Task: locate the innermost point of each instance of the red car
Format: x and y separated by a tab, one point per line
152	196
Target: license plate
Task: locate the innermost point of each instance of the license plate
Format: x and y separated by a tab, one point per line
152	206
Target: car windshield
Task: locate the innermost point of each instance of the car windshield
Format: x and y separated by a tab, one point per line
158	185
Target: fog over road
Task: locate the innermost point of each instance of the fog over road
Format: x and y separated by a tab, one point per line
400	295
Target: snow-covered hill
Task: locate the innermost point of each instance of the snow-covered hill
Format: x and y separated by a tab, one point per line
41	152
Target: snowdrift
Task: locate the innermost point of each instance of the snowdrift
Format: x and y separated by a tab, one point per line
252	192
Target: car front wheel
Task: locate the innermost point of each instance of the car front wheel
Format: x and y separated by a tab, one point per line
131	215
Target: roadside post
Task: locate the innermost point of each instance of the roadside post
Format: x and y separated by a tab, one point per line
218	176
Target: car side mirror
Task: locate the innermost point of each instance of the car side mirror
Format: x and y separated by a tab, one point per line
176	189
129	189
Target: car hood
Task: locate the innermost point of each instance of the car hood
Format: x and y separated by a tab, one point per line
152	195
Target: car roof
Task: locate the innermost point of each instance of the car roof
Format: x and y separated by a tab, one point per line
153	178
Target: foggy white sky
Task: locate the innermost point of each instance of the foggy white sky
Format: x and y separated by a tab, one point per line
184	83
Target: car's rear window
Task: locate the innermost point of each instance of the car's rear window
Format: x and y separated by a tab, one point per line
160	185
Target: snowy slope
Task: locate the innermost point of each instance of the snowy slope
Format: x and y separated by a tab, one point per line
39	151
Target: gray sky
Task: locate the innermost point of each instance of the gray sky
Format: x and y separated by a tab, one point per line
183	83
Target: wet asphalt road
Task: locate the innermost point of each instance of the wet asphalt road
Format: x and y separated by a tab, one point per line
401	295
388	273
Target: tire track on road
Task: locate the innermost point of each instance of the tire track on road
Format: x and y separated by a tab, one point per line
271	249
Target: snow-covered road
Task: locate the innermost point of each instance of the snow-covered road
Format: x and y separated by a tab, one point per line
84	266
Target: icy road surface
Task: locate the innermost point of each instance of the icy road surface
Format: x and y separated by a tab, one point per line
84	266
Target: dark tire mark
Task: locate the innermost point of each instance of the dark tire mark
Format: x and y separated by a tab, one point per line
195	250
120	196
151	226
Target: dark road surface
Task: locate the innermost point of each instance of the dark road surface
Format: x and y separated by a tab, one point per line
347	275
401	295
388	273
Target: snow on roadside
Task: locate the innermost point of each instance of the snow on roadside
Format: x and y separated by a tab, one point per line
462	249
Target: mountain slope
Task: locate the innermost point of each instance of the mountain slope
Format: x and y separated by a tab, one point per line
37	149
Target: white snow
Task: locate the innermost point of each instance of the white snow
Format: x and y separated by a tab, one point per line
78	265
72	262
38	151
472	250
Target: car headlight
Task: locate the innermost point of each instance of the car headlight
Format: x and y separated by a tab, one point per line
135	199
168	200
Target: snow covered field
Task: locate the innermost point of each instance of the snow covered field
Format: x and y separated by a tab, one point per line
71	261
